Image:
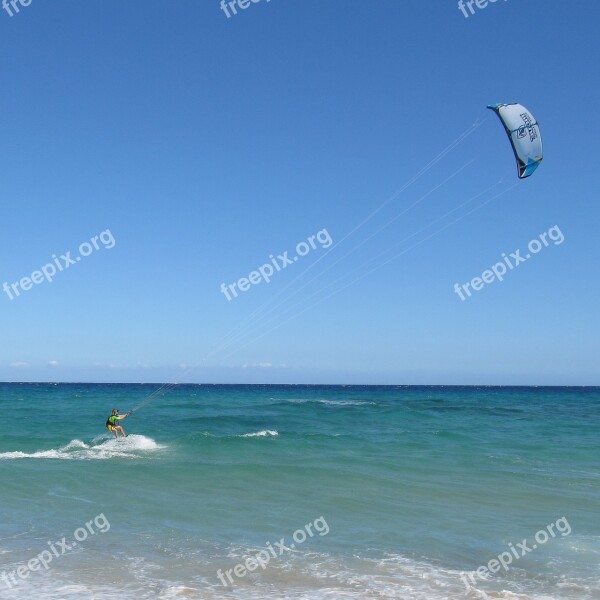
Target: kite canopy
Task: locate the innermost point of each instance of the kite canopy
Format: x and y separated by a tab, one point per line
524	134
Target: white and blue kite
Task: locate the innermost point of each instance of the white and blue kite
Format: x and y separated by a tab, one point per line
524	135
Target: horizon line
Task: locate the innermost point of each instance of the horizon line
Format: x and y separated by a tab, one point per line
173	385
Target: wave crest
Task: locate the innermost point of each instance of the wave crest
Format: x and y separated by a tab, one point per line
264	433
133	446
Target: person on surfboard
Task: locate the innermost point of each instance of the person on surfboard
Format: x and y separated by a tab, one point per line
112	423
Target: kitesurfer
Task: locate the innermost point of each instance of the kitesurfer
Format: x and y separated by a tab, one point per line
112	423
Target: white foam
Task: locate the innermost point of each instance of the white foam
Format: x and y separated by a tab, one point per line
301	575
330	402
179	591
133	446
264	433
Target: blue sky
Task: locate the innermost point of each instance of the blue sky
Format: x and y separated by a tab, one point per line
205	144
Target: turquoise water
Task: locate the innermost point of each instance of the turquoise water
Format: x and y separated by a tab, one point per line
416	485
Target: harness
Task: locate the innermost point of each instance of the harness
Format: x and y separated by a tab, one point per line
110	423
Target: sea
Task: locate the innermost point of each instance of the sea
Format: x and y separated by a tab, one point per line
299	492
